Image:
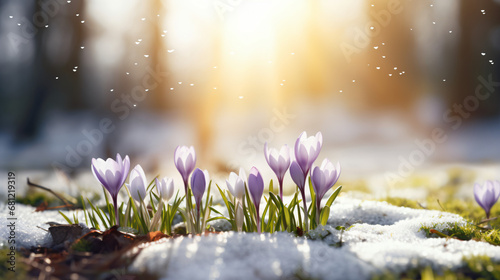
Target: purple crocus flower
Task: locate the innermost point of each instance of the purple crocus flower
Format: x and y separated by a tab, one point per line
111	174
487	195
323	178
307	150
297	175
198	185
185	160
199	181
256	188
299	178
279	162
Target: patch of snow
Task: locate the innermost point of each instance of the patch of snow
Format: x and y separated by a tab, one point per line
30	225
383	237
249	256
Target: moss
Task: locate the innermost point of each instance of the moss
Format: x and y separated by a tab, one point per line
21	269
402	202
467	232
35	198
468	208
355	185
458	176
81	246
477	267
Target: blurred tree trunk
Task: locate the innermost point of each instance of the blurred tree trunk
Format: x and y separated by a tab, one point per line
158	99
315	59
476	36
46	92
392	48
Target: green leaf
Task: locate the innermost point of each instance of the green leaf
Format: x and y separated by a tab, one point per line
110	207
127	215
250	213
333	196
272	216
152	183
325	212
66	218
84	210
218	218
208	195
98	212
137	217
230	209
216	211
265	209
152	204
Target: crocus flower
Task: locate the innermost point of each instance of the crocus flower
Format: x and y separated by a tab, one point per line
165	188
297	175
487	195
323	178
111	174
300	180
256	188
198	185
279	162
185	160
137	183
236	184
307	150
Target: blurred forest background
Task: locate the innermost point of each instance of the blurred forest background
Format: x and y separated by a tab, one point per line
228	75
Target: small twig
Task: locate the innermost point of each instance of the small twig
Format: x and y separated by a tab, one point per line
66	202
42	228
487	220
420	204
441	205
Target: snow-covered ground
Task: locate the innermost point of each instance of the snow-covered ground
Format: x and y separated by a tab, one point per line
381	237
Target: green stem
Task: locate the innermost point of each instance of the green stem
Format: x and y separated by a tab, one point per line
198	226
189	205
115	204
318	210
306	216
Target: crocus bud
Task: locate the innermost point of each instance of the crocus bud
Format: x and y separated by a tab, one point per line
324	177
137	184
307	150
198	185
165	188
487	195
297	175
185	160
255	187
236	184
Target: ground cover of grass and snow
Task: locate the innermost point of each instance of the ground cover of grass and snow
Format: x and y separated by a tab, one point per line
378	238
